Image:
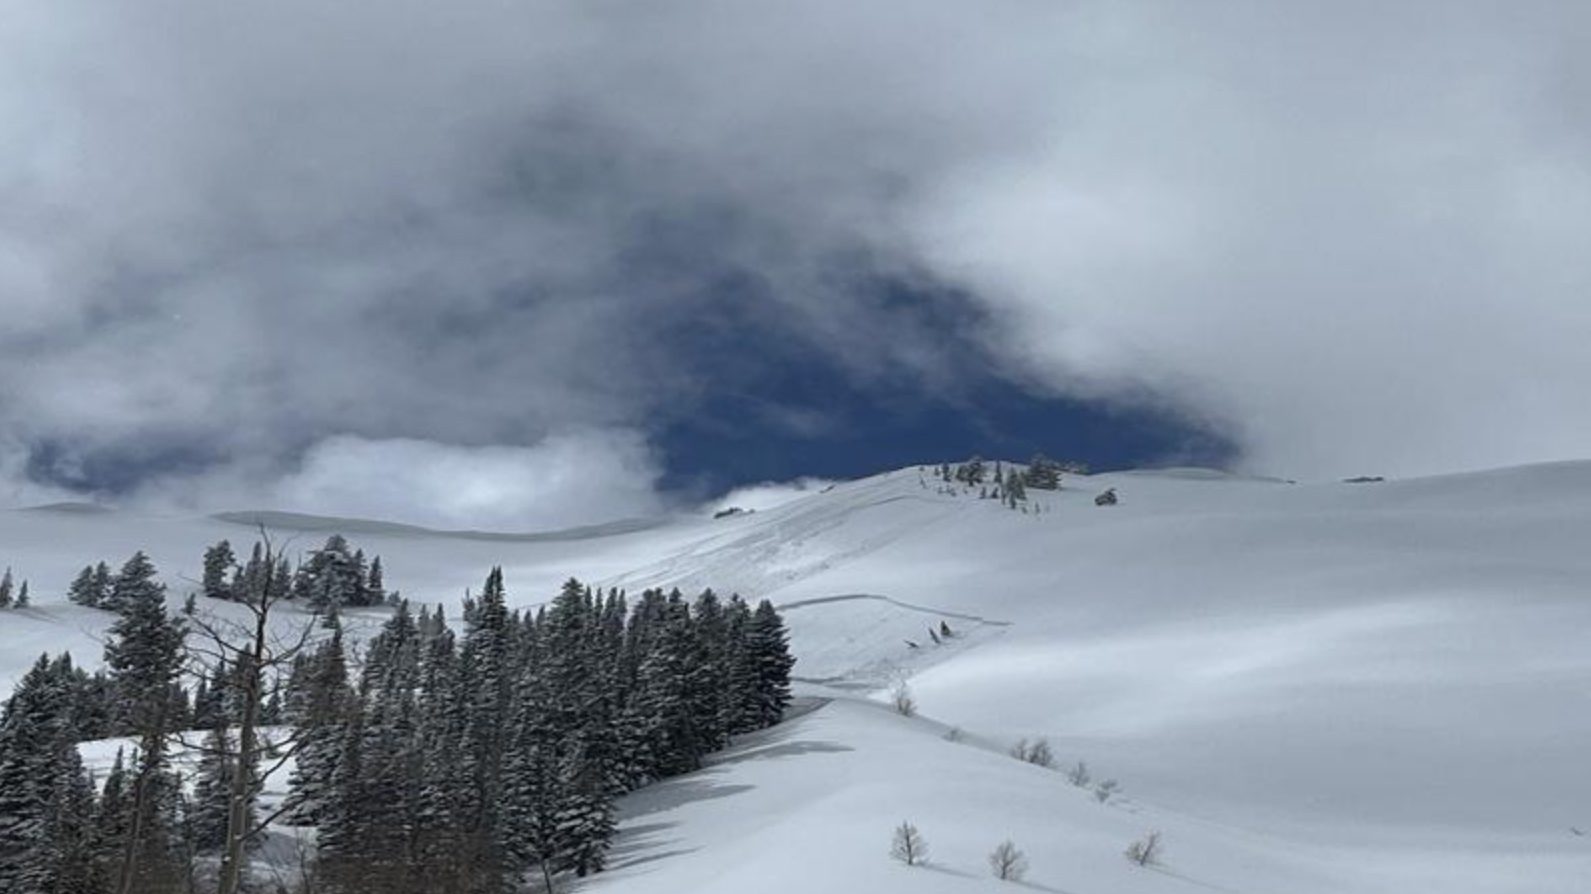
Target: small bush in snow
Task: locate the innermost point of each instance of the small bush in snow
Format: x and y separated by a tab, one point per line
1145	851
901	699
1078	775
954	734
1106	790
908	846
1037	753
1007	863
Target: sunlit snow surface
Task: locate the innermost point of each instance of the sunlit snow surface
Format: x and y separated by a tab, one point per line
1307	688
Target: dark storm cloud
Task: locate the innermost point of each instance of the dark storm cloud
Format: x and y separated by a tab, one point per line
269	243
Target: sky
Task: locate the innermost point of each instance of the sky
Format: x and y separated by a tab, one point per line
525	264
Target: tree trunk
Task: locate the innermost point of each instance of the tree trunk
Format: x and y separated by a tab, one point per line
237	830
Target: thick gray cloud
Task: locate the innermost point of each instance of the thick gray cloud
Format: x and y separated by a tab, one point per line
1347	233
1352	234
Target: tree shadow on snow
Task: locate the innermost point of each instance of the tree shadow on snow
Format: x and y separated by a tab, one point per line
784	749
677	792
1040	887
643	843
1032	886
774	742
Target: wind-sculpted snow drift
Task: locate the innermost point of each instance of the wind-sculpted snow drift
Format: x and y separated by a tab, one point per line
1376	687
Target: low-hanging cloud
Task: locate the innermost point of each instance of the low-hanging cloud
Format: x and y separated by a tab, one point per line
1345	235
571	478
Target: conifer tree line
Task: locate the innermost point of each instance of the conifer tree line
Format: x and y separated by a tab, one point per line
333	575
1041	473
429	761
462	762
1008	484
57	834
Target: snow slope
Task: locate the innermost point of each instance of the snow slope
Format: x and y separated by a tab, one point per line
1331	687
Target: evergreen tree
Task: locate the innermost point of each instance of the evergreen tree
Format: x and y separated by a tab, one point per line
5	589
375	584
144	654
769	646
104	585
1043	473
212	793
585	820
135	585
84	590
971	471
320	705
23	600
1015	491
484	688
671	681
45	803
331	577
219	566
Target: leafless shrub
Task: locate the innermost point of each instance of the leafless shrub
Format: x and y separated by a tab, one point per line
901	698
1078	775
1106	790
1007	863
909	846
1145	851
1038	752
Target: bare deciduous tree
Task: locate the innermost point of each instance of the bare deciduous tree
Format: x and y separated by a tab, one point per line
1106	790
1078	775
254	651
1037	752
1145	851
1007	862
909	846
901	698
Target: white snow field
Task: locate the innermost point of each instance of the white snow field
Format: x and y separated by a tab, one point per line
1380	687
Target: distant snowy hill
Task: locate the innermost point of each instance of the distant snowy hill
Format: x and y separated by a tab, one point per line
1374	687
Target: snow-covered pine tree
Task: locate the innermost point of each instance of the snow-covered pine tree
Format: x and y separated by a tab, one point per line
42	810
440	727
5	589
220	565
319	706
341	824
391	755
135	585
83	589
485	683
207	811
1015	490
23	600
769	646
532	790
671	679
144	654
585	819
1043	473
71	828
112	816
375	584
711	645
331	576
739	681
104	585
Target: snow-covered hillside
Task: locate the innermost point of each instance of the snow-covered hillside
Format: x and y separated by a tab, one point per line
1307	688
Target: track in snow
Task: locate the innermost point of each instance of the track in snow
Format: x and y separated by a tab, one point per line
825	600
